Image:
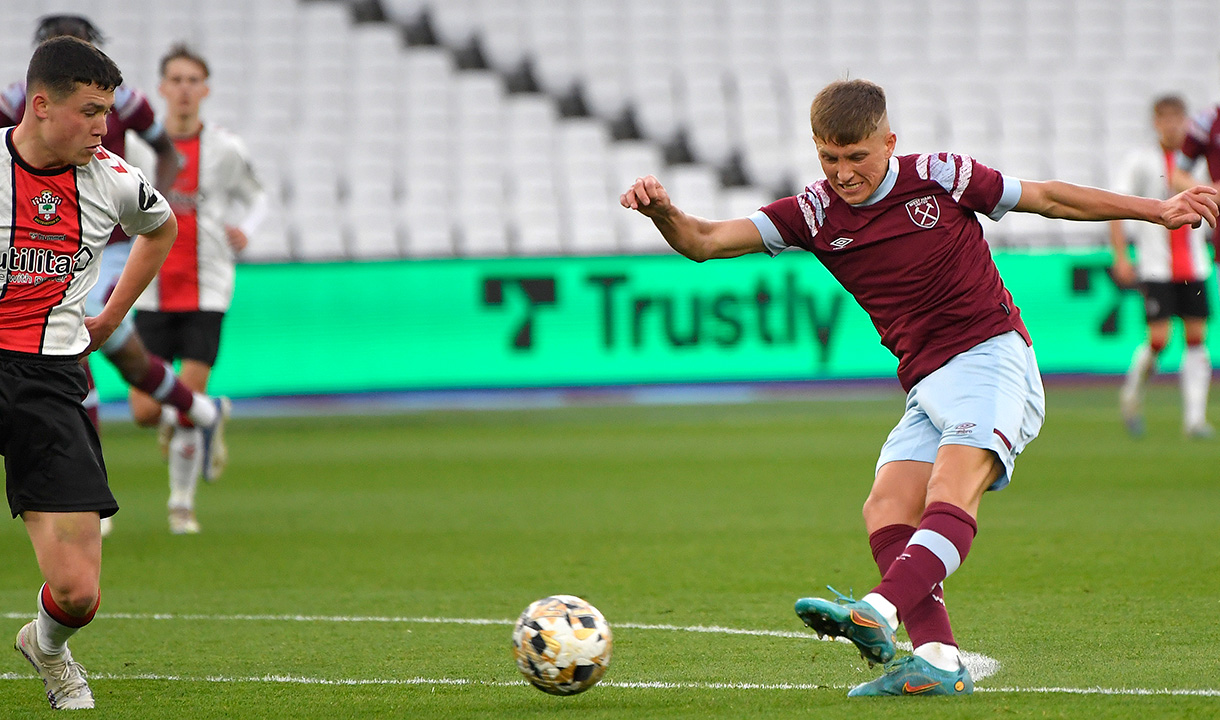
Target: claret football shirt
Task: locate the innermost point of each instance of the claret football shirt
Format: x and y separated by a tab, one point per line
912	255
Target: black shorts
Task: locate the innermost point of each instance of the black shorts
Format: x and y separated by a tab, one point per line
181	335
1163	300
52	455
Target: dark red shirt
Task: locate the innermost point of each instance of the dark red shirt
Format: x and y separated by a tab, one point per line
1203	140
912	255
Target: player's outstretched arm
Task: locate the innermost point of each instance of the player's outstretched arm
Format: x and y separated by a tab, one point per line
148	252
694	237
1057	199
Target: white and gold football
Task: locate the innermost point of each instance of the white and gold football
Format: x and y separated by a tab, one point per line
562	644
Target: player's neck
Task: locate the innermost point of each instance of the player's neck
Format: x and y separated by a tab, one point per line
183	126
33	151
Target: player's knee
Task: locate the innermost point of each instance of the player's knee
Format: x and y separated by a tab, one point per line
881	509
77	598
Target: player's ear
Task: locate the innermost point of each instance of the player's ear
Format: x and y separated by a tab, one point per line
38	104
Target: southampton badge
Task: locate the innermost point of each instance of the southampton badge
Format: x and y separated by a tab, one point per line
924	211
46	205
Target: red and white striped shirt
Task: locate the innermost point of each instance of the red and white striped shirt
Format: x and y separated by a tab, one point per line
1161	255
54	225
215	187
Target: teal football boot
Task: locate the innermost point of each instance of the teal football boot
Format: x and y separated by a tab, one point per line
855	620
913	675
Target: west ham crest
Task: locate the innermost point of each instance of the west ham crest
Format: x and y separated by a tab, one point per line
47	206
924	211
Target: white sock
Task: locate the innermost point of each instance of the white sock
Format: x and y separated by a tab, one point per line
52	635
885	607
941	656
1142	364
1196	377
185	464
203	411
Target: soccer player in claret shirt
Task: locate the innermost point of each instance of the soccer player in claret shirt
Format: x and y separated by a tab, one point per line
135	364
1203	141
1172	268
901	234
218	203
61	195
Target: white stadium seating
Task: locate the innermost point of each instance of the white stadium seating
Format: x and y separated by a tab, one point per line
374	147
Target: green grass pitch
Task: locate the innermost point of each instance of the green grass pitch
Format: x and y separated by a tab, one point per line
330	541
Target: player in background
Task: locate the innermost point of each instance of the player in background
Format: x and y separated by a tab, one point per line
61	195
1202	141
901	234
218	203
1172	272
135	364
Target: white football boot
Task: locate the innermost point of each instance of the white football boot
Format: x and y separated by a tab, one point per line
182	522
63	677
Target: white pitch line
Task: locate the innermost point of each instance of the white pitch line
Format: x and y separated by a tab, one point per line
357	682
980	666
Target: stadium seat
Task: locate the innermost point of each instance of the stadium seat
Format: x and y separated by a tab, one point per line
1036	87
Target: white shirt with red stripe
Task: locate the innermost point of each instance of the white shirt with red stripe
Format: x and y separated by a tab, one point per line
54	225
216	187
1161	255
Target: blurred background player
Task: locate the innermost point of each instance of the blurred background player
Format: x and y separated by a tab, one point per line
180	314
1172	268
54	471
124	349
1202	141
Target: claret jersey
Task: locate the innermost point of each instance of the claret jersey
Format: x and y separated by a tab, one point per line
1203	140
912	255
54	225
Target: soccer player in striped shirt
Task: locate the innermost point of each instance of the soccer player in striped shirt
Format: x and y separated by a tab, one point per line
61	195
218	202
1171	268
139	368
901	234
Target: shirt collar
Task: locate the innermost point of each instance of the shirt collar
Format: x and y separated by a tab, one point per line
887	184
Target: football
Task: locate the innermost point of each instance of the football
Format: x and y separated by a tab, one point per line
562	644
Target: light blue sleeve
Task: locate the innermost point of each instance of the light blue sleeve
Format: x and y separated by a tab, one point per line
770	234
1008	198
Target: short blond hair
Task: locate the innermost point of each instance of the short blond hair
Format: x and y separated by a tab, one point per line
182	51
847	111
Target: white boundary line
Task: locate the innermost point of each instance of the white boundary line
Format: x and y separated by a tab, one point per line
980	666
357	682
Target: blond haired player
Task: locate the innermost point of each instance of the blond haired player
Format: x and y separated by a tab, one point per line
1171	268
218	203
901	234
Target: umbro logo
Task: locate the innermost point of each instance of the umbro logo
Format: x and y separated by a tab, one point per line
961	429
840	243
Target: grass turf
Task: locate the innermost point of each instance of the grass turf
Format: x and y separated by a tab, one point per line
1096	568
